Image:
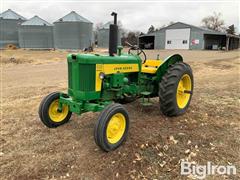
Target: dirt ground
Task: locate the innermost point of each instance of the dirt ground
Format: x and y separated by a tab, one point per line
209	131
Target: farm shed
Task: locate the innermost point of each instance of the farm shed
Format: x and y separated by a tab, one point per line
73	32
184	36
103	36
36	33
9	22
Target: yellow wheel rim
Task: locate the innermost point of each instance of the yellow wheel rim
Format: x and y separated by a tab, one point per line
183	89
116	128
56	115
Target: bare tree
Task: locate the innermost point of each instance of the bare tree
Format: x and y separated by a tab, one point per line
213	22
132	38
231	29
164	25
151	29
170	23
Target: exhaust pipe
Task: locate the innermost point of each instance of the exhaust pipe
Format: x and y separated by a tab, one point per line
113	35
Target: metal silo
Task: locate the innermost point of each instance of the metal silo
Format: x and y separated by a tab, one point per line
73	32
36	33
9	22
103	36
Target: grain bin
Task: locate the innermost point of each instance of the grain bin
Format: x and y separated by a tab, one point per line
36	33
9	22
73	32
103	36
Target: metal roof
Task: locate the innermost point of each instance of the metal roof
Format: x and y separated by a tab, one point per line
106	26
205	30
73	17
36	21
10	14
200	28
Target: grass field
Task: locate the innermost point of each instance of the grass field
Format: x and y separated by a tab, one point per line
209	131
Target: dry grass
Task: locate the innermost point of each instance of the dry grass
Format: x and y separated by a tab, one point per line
156	144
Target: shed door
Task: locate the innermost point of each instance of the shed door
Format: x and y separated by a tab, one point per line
177	38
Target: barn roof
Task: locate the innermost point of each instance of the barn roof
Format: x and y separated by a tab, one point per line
36	21
197	27
10	14
206	30
73	17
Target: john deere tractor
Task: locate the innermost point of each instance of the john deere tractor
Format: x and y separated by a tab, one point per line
103	82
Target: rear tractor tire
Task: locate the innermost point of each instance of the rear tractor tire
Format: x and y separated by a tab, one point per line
49	113
112	127
175	89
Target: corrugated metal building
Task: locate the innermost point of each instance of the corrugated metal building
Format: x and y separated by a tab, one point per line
184	36
73	32
9	22
103	36
36	33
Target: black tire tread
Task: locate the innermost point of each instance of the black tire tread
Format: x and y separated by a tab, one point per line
103	118
167	89
43	111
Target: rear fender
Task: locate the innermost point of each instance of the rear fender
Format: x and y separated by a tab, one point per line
162	69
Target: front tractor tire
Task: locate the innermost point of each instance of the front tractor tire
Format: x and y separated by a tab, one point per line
112	127
49	113
175	89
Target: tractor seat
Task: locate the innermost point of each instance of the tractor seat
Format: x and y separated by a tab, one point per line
151	66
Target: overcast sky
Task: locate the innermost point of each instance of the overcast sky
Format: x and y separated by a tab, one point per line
136	15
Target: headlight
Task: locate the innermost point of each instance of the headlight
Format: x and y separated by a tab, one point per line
101	75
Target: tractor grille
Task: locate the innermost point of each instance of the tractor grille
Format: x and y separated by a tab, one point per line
87	77
81	77
70	75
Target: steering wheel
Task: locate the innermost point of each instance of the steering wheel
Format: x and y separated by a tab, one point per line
138	51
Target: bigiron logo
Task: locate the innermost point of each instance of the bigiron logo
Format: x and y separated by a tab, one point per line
122	68
201	171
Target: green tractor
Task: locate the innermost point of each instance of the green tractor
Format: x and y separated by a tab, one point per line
104	82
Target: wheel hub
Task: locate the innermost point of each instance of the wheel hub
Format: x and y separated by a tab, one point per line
183	91
55	114
116	127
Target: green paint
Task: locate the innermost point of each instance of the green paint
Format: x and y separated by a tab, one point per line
117	80
165	65
119	49
102	59
82	76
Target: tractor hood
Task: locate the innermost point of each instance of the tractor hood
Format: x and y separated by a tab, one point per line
103	59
